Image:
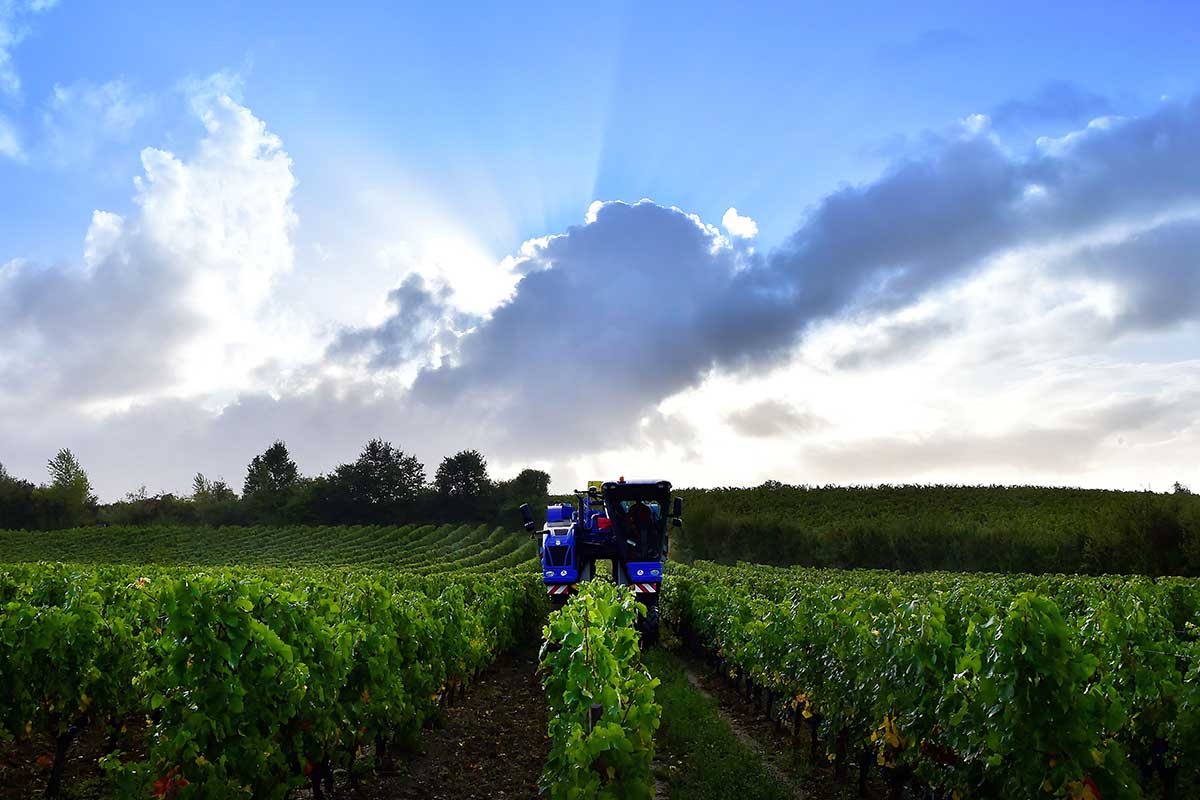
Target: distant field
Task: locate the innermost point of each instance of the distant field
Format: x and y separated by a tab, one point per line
1003	529
426	548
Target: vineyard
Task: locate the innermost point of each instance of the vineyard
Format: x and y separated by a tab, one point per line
253	681
959	528
216	667
419	547
974	686
258	662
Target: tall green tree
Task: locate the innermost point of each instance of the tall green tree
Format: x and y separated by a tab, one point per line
271	473
380	486
463	475
463	489
271	479
530	485
70	499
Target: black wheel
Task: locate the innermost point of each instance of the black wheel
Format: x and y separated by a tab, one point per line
650	621
557	601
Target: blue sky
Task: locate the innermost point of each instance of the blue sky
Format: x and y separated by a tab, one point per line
436	140
702	106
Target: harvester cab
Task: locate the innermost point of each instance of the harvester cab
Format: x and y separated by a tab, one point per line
625	522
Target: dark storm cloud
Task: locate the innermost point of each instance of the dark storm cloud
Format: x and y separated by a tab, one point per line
613	316
1054	102
608	316
1158	272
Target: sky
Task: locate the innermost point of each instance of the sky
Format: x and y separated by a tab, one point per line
950	243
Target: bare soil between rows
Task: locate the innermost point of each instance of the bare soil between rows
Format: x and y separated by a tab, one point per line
492	744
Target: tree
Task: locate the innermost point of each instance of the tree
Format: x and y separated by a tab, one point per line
70	500
271	473
271	479
68	476
16	502
384	475
215	502
204	490
529	486
463	490
378	486
463	475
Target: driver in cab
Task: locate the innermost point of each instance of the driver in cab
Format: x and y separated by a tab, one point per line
641	522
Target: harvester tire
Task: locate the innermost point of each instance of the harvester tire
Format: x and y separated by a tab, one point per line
650	622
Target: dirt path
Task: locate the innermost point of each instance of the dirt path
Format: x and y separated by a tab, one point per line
754	745
493	744
785	757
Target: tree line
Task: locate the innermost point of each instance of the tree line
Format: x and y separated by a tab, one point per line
384	485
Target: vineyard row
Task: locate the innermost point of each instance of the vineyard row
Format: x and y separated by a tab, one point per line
972	685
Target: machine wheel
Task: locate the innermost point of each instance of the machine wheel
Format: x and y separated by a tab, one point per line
650	622
557	601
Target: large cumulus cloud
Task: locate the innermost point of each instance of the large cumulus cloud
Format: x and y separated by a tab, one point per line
641	302
168	299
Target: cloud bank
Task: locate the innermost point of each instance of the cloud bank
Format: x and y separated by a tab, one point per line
974	258
616	315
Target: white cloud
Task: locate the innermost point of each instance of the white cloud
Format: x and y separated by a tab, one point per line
171	300
77	119
976	124
10	142
592	211
739	226
477	283
1061	145
14	16
9	82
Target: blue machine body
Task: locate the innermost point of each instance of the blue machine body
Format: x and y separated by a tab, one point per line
558	513
645	571
558	557
607	524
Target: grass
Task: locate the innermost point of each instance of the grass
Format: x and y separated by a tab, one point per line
702	757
